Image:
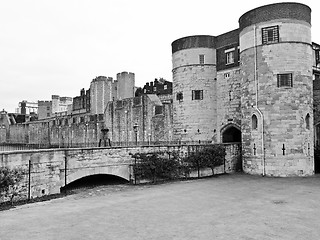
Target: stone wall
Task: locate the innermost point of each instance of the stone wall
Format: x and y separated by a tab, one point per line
48	134
52	169
229	100
282	143
194	119
151	116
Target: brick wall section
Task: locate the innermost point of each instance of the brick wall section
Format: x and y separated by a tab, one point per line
53	169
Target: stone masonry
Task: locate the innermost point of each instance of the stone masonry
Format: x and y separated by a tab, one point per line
47	171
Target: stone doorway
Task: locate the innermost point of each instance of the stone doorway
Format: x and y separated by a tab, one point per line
231	134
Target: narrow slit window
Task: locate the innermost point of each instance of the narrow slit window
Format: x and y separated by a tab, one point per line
201	59
308	121
254	122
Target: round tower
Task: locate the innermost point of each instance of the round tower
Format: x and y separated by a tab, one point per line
277	95
194	88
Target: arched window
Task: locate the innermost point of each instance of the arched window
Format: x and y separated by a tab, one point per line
308	121
254	122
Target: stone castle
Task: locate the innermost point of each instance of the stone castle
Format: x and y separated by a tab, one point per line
252	85
257	85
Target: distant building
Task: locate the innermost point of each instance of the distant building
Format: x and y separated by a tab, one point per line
105	89
44	109
81	103
101	92
57	106
26	107
61	104
125	86
158	87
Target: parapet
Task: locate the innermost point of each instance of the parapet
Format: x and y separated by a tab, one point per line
55	96
197	41
124	74
102	78
269	12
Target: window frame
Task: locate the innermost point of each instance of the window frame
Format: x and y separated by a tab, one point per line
201	59
158	110
307	119
265	34
179	96
230	56
254	122
197	94
284	83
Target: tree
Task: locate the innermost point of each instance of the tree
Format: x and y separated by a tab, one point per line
10	180
213	156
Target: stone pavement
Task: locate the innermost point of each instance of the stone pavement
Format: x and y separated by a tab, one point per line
226	207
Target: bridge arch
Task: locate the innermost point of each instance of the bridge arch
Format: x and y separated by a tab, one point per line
122	171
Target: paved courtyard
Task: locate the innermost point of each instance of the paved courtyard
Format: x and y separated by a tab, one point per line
226	207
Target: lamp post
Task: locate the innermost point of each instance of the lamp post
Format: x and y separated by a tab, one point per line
86	140
59	135
135	129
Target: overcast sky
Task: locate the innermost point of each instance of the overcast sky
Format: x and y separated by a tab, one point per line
57	47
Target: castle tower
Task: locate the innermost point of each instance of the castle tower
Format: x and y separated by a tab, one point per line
126	82
194	88
277	97
100	94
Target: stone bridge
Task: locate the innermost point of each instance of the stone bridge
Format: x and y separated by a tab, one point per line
47	171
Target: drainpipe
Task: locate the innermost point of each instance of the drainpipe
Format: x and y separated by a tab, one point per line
256	105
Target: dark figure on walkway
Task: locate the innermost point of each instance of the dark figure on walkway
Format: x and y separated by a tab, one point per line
104	137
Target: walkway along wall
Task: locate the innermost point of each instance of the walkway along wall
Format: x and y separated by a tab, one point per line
49	170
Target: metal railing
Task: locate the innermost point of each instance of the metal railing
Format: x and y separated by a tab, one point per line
22	146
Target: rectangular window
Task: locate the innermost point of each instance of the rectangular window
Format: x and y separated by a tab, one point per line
284	80
270	35
317	53
119	104
154	89
229	55
197	94
179	96
158	110
201	59
165	87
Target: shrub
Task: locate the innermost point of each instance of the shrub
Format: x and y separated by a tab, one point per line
10	180
207	157
156	166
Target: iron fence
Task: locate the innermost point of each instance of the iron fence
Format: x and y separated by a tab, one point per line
22	146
